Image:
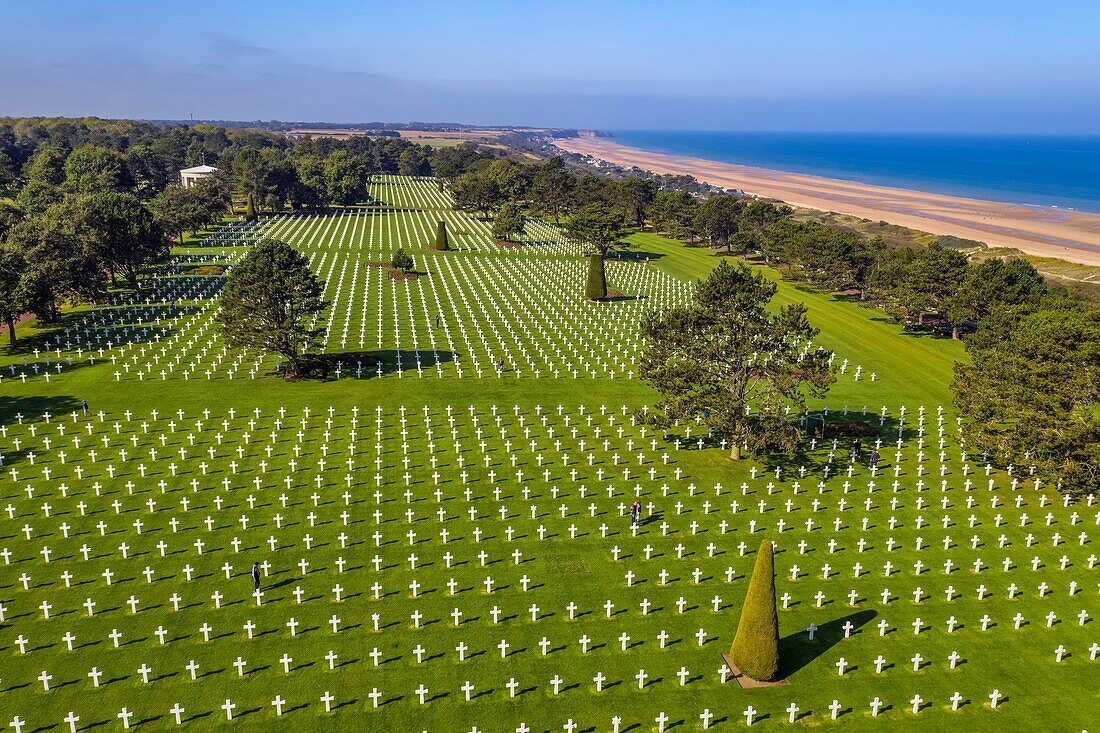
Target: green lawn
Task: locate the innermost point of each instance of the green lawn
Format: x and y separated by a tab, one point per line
529	477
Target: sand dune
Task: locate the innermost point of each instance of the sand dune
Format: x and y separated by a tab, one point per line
1041	231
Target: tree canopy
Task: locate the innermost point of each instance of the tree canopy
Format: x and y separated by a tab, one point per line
728	357
346	178
120	231
476	192
509	221
12	266
269	303
1032	394
551	186
178	209
718	219
596	225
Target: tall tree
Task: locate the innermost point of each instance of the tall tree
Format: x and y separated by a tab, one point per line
718	219
551	186
149	172
510	178
414	161
819	254
633	196
476	192
44	173
600	227
1030	395
266	173
991	284
346	176
760	215
674	212
95	169
270	299
729	357
12	266
509	221
312	191
178	210
10	215
8	173
755	648
57	268
911	282
120	231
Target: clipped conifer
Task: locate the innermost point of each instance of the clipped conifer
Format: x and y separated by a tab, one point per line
596	287
442	243
250	208
755	649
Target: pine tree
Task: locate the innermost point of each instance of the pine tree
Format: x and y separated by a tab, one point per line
755	649
402	261
442	243
727	351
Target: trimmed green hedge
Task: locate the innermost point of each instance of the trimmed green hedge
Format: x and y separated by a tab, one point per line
755	649
596	287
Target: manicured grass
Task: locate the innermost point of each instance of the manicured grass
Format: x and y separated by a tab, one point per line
703	519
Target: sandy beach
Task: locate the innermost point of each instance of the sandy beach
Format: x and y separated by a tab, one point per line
1041	231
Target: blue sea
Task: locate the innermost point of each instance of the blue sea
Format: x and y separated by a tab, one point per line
1061	171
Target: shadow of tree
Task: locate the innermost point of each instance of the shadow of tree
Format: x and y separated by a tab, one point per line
369	364
796	650
32	407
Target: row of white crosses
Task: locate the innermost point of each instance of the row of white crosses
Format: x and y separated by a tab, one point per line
915	705
207	417
661	720
409	192
177	713
407	195
174	600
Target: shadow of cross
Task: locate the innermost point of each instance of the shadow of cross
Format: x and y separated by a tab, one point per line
796	650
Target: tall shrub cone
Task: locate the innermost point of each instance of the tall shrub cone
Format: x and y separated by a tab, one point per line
596	287
755	649
250	208
442	243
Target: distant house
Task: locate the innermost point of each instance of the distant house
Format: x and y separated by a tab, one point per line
190	176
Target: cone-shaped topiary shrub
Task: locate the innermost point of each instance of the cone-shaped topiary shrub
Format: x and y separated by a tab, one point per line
442	243
596	287
250	208
756	647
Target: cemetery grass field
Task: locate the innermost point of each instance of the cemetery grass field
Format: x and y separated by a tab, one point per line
416	504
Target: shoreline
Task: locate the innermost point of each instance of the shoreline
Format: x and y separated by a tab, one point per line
1034	230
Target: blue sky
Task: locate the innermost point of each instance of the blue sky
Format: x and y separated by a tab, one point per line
928	66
